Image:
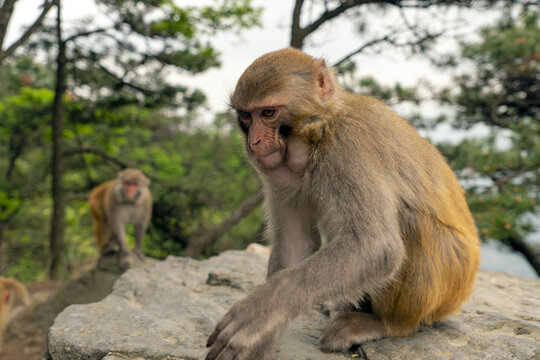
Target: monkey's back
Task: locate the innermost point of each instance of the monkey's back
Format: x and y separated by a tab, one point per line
100	213
435	223
97	202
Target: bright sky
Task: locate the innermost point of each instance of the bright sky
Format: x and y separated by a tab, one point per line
238	51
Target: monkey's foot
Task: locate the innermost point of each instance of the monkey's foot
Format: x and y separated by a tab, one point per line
346	329
123	260
138	253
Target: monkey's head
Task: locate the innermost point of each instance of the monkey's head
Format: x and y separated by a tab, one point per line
131	181
283	94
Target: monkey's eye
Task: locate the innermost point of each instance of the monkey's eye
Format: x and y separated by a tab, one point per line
244	115
268	113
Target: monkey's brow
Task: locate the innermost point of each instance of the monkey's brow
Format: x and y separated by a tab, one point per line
262	107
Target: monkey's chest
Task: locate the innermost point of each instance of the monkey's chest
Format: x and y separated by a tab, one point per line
129	213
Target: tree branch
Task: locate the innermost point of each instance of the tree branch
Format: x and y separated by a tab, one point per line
299	34
511	176
362	48
6	11
530	252
47	5
85	33
343	7
494	117
389	40
198	242
99	152
123	83
73	197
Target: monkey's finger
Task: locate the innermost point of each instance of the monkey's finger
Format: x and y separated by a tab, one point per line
213	353
220	351
212	338
233	349
223	323
219	340
228	353
231	344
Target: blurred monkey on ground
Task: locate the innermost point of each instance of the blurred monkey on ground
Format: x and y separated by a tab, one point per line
11	291
116	203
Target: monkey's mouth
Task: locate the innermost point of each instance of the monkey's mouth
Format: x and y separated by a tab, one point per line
270	159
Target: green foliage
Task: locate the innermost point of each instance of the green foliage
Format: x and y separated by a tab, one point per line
501	172
22	130
124	107
503	90
10	204
23	71
212	181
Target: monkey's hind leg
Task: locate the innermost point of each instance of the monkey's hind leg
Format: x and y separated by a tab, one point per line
346	329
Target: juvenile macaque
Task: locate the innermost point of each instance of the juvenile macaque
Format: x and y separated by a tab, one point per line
10	291
119	202
362	213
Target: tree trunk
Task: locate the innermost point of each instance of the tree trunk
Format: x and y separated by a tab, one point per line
198	242
297	33
3	231
6	11
57	222
531	253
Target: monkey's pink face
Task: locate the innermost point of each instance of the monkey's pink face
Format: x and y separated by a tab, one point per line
6	297
131	189
266	134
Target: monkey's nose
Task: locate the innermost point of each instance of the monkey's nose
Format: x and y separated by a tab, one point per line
255	142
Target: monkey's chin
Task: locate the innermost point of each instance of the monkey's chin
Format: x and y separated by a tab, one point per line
271	160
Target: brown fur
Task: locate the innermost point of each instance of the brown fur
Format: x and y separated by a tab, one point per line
360	209
10	291
111	212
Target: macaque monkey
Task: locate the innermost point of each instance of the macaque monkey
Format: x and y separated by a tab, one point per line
362	212
116	203
10	291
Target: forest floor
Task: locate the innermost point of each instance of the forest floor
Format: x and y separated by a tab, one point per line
26	335
24	339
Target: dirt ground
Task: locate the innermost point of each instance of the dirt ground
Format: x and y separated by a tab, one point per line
26	335
24	339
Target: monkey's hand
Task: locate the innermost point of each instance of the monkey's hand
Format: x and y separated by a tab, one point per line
251	329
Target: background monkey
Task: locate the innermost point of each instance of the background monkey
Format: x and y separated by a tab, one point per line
361	211
116	203
10	291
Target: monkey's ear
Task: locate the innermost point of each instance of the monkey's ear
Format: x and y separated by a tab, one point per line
325	84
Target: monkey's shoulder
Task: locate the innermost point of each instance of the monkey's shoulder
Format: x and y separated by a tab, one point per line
377	123
102	189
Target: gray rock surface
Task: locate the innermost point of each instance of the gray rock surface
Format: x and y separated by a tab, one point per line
90	287
166	311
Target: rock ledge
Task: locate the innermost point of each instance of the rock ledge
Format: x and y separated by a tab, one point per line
166	311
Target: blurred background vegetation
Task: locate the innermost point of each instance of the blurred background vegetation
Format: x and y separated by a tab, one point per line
81	100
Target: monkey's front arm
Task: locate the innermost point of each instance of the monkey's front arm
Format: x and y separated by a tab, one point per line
251	329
